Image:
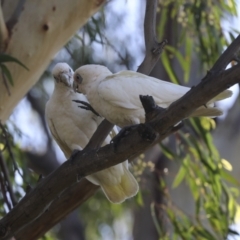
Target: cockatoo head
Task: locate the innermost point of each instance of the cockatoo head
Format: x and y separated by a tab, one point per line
63	73
84	76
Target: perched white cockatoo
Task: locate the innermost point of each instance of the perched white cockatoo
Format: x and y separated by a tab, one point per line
72	127
116	96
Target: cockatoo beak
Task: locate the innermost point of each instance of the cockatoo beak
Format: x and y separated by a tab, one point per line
75	87
65	78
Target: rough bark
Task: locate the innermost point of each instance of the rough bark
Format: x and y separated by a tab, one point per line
37	31
61	207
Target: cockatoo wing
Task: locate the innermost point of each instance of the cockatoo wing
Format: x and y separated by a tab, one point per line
62	144
123	89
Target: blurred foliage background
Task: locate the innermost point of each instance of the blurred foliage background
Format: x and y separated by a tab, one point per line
190	182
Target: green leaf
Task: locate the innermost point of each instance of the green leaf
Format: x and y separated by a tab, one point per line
180	176
228	177
168	68
167	152
155	220
139	198
188	52
8	58
7	73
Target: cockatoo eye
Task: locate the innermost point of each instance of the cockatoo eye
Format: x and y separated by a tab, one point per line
79	79
70	70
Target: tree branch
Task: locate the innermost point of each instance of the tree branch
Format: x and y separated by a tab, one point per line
60	207
226	57
153	48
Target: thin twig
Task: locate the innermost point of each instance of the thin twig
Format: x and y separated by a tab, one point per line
4	192
9	148
124	60
70	53
7	179
6	83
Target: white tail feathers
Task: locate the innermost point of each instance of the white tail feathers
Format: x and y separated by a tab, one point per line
209	110
128	187
223	95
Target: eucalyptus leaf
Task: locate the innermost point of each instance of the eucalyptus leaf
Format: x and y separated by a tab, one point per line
7	58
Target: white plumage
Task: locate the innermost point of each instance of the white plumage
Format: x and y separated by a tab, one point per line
116	96
72	127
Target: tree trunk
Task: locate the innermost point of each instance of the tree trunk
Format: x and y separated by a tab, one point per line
38	30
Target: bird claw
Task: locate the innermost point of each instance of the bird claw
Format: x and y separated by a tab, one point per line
86	106
122	133
147	132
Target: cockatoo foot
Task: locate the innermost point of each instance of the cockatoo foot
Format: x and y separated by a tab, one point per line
86	106
122	133
147	132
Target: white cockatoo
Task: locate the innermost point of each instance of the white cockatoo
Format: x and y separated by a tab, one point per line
116	96
72	127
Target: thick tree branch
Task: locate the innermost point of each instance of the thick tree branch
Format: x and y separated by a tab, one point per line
138	140
58	210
